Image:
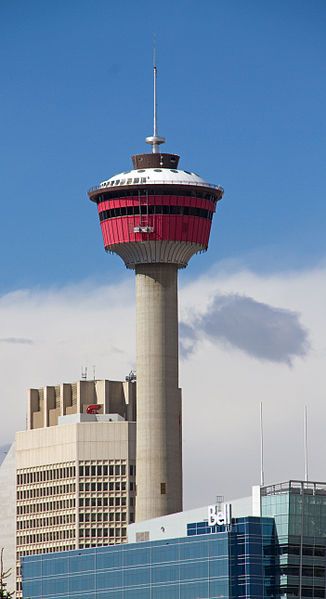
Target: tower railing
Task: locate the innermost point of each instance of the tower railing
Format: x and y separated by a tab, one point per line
156	182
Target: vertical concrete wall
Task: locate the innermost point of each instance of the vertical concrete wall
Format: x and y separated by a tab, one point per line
159	460
130	392
8	515
66	395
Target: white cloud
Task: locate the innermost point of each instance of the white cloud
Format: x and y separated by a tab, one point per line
222	385
70	328
222	388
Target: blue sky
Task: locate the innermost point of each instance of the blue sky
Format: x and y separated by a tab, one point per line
242	96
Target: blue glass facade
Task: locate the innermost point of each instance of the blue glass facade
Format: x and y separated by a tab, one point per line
238	561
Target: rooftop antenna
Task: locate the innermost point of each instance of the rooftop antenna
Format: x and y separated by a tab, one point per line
262	476
305	433
155	140
94	372
131	377
219	501
84	373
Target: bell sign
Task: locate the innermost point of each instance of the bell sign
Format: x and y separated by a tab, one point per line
219	518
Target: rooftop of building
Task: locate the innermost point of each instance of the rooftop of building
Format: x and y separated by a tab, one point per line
98	400
295	487
155	176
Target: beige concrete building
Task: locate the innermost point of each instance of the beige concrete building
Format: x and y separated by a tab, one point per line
76	470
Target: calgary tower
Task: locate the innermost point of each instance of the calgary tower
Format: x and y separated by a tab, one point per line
156	217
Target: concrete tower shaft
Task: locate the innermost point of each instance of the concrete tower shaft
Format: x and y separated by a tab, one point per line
159	445
156	217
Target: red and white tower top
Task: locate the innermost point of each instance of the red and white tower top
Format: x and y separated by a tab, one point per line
156	212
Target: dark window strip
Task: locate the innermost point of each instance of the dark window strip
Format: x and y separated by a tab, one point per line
164	191
144	210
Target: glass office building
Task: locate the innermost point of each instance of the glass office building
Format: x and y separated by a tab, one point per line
235	561
299	511
280	554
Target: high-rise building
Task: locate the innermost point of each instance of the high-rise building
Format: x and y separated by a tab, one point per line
75	467
299	510
156	217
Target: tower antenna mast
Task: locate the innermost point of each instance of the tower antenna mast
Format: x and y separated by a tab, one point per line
305	440
155	140
262	475
155	89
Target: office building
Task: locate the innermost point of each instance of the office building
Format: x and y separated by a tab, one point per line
230	563
156	217
264	546
75	467
299	511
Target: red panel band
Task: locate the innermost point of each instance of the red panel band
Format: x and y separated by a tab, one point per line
192	229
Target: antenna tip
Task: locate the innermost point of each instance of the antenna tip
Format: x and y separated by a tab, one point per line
155	140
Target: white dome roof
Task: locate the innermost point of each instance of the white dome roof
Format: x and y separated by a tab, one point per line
145	176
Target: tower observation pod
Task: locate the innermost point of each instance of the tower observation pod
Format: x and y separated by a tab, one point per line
156	217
